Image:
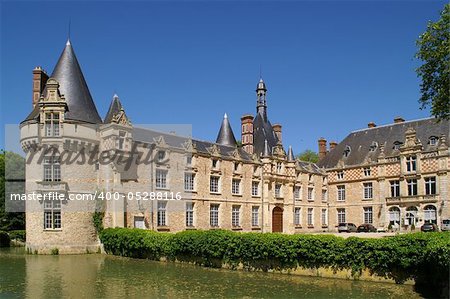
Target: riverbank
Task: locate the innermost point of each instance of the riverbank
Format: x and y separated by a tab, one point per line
422	258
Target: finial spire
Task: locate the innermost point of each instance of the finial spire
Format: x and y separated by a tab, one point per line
225	115
68	33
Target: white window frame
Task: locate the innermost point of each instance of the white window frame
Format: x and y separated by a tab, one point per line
412	187
368	190
368	215
214	215
395	188
255	188
311	193
341	193
297	192
324	217
411	163
214	184
297	216
255	215
52	122
189	181
236	216
162	213
310	216
52	169
341	215
52	215
236	186
190	214
161	181
278	191
430	185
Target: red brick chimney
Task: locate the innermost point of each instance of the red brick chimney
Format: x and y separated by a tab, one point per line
322	148
40	78
332	145
277	129
247	133
399	119
371	125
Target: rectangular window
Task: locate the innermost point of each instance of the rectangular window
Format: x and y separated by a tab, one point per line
52	214
236	186
411	163
215	163
279	167
412	187
310	216
121	140
189	179
52	169
52	124
161	178
255	188
297	216
277	190
235	216
310	193
189	160
340	175
367	171
255	216
430	185
162	215
395	188
368	190
324	217
297	192
341	215
189	214
368	215
324	195
214	215
341	192
214	184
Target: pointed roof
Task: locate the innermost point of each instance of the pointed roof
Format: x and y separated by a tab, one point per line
114	109
290	155
226	136
73	86
267	151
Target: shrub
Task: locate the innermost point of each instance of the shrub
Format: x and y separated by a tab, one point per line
4	239
424	257
18	235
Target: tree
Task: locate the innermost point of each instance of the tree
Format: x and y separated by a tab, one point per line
434	50
308	156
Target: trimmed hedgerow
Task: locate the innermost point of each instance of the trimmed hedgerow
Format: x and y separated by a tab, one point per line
424	257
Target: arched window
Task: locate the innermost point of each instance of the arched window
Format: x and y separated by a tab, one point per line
429	214
433	140
347	151
373	146
394	216
397	145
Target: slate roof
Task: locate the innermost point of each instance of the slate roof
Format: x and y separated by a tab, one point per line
262	130
309	167
73	86
226	136
359	142
148	136
114	108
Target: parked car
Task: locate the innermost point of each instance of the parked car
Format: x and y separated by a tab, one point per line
429	227
366	228
445	225
347	227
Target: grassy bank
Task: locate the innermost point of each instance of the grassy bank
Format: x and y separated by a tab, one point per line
424	257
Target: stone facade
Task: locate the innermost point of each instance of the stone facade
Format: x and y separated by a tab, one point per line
216	185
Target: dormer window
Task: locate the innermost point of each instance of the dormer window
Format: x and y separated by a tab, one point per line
373	146
215	163
347	151
340	175
52	124
397	145
433	140
279	167
236	166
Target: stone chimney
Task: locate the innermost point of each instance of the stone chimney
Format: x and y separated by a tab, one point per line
399	119
371	125
333	144
247	133
322	148
277	129
40	78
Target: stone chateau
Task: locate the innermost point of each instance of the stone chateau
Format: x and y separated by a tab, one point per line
394	176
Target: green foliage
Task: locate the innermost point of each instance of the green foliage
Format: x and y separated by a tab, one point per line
308	156
424	257
434	50
4	239
12	168
18	235
55	251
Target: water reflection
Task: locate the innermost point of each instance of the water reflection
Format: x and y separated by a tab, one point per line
100	276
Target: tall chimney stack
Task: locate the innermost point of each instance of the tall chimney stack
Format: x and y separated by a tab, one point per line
247	133
322	148
277	129
40	78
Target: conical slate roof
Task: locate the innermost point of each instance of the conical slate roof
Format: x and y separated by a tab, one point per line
114	108
226	136
291	155
73	86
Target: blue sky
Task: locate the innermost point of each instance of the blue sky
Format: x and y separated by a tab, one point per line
330	66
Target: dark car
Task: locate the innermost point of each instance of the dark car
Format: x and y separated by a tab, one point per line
429	227
347	227
366	228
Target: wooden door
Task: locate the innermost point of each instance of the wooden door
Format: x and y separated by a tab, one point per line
277	220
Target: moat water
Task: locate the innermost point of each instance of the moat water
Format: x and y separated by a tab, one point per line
102	276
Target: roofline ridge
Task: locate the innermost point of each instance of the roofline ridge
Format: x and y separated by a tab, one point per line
393	124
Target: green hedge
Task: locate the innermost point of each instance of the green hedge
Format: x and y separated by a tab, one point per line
4	239
18	235
424	257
